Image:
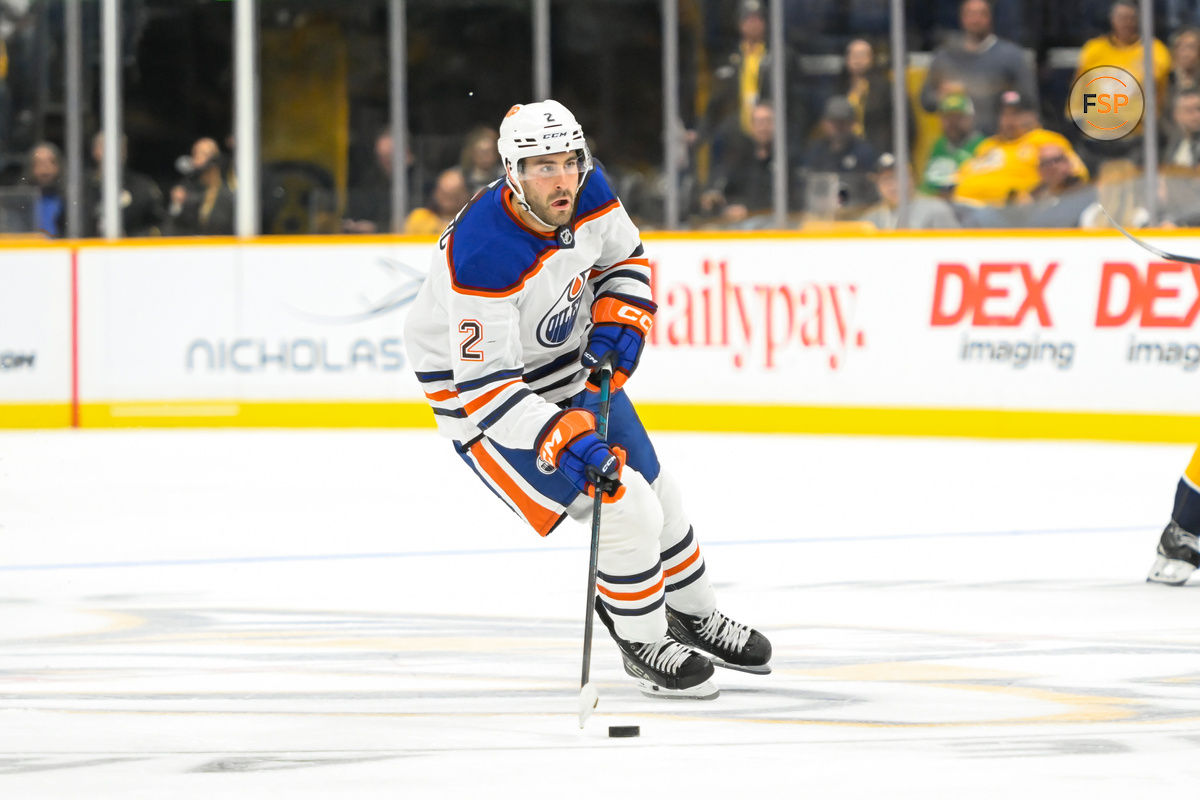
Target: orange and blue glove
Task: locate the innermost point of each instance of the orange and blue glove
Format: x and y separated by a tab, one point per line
620	324
569	444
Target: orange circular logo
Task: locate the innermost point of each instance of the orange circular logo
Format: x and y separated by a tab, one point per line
1106	103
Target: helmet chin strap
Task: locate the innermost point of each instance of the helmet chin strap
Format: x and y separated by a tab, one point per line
529	210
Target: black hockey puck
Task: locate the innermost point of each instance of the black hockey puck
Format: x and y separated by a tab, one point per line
623	731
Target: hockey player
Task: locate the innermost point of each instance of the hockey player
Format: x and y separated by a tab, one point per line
539	279
1178	549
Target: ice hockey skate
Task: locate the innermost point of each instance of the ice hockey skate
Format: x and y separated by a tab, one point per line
727	643
664	668
1178	556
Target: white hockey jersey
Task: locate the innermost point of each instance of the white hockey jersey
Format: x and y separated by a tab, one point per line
496	332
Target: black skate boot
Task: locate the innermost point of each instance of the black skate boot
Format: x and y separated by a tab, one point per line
1178	556
729	644
664	668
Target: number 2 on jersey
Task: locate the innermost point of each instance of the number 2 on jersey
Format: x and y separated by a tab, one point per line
474	333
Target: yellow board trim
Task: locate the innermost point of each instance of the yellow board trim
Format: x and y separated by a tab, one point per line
339	240
35	415
859	421
940	422
241	414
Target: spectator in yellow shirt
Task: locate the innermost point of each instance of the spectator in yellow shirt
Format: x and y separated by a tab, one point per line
1122	47
449	195
1004	168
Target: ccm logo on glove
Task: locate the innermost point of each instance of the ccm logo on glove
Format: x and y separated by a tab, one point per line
619	327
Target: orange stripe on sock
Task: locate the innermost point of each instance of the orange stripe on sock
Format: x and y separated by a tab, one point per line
445	394
653	590
541	518
483	400
678	568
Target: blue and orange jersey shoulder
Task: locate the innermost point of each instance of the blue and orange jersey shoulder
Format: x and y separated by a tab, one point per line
492	253
489	251
596	198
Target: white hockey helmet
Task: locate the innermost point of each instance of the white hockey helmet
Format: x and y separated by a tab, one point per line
536	129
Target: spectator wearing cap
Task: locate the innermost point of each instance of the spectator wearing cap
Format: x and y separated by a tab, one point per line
924	212
1004	170
958	142
979	64
841	151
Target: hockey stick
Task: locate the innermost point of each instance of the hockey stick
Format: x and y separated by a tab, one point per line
589	698
1147	246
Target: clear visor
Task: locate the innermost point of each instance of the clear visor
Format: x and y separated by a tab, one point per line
541	168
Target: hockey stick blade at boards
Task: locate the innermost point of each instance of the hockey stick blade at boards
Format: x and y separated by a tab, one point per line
1147	246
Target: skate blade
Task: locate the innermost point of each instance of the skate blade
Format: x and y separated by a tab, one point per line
701	691
1170	571
762	669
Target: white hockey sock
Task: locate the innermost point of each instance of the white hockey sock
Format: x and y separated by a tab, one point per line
629	570
685	576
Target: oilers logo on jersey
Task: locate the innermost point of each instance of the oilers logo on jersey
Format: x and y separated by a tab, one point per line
559	321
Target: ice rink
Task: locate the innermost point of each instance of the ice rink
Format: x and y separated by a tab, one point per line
292	614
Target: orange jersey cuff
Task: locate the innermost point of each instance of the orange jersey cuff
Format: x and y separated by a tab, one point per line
569	426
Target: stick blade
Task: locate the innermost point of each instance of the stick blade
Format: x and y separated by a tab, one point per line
589	698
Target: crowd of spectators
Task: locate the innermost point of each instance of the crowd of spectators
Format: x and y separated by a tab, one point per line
1005	152
994	145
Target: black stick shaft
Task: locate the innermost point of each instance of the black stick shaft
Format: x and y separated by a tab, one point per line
597	503
1147	246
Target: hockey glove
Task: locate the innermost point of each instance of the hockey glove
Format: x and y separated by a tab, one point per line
569	443
619	326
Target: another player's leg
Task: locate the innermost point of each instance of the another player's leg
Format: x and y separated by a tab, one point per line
630	595
1178	547
692	614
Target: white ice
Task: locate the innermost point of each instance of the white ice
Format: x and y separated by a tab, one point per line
267	614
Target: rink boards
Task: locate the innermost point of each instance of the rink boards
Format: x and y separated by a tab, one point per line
1069	335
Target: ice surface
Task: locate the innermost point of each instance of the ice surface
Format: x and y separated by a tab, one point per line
204	614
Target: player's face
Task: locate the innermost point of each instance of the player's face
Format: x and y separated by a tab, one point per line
551	183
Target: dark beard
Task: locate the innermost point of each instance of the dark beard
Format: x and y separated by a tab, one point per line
547	214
